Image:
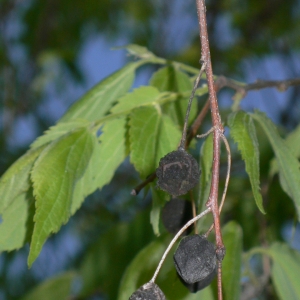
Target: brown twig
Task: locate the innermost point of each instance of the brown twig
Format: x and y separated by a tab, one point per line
281	85
216	121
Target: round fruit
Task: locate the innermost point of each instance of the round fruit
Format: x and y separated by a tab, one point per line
176	213
195	259
148	291
178	172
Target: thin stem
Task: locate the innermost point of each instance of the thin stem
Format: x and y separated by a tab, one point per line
179	233
184	131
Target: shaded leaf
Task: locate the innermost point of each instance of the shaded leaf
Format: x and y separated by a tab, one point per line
288	164
139	273
285	271
58	287
232	263
98	101
152	135
54	177
171	79
243	132
293	143
108	257
159	198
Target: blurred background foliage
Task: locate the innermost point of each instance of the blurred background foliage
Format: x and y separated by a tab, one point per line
40	46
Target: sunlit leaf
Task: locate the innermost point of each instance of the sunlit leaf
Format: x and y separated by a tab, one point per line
54	176
58	287
58	130
288	164
139	97
98	101
243	132
107	155
285	271
232	263
16	222
15	180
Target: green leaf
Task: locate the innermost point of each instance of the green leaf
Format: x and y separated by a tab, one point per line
106	260
106	158
288	164
242	130
140	272
16	223
58	287
232	263
139	97
152	135
15	180
54	175
58	130
98	101
171	79
285	271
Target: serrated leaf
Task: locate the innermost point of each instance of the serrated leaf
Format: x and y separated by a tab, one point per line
172	79
98	101
285	271
108	154
16	223
15	180
232	263
152	135
54	176
58	130
139	97
58	287
242	130
106	261
288	164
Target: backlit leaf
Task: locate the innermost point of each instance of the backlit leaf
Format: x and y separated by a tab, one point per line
55	174
243	132
98	101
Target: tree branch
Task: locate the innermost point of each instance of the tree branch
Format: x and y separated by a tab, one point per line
216	121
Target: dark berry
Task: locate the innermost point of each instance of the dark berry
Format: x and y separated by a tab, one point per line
148	291
195	260
176	213
178	172
199	285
